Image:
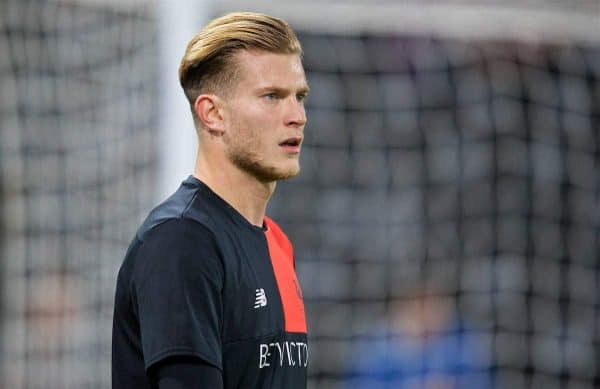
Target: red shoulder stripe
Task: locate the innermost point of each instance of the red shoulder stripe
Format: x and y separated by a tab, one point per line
282	260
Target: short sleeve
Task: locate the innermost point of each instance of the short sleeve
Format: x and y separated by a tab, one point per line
178	285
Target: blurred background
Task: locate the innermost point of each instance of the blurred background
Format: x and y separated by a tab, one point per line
446	222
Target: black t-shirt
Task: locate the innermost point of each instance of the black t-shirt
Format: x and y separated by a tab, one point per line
199	280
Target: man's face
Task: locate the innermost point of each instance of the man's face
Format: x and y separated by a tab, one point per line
264	115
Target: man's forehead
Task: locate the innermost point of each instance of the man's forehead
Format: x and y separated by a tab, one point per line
297	65
263	67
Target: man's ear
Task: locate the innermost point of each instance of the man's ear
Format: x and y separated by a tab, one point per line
208	111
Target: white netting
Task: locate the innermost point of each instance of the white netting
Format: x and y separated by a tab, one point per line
469	164
77	87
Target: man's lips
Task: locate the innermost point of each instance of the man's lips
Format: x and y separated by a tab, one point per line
292	145
293	141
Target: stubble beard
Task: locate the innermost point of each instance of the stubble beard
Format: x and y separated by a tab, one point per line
246	158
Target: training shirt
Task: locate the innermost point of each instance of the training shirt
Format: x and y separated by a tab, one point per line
199	280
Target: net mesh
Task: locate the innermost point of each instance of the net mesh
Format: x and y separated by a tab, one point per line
470	165
77	103
467	168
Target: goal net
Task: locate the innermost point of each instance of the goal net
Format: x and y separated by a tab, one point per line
77	155
454	163
450	190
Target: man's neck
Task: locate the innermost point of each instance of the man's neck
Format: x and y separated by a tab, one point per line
242	191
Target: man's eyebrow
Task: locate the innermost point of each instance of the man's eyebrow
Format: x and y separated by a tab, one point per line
276	89
304	90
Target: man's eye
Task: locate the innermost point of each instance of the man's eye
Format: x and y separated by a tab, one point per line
301	97
271	96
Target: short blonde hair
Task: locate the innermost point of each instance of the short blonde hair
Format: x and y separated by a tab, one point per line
208	65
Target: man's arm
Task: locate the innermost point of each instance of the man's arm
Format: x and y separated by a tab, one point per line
178	293
185	372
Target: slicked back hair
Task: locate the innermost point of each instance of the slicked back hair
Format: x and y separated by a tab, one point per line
208	65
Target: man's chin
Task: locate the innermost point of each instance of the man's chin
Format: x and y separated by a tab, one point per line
270	173
281	174
290	174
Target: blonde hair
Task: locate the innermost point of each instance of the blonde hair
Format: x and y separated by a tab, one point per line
208	64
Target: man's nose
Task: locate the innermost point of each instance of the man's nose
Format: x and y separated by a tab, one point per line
296	115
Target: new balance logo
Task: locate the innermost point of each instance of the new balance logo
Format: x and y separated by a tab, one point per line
261	299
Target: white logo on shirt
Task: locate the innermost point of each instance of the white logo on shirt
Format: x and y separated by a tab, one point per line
294	354
261	298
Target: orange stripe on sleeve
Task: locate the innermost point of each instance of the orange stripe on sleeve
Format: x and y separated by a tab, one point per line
282	260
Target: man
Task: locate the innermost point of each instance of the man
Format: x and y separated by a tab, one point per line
207	296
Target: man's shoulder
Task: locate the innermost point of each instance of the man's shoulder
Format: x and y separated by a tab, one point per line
188	207
182	223
174	245
193	201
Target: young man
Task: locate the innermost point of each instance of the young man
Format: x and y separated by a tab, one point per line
207	296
